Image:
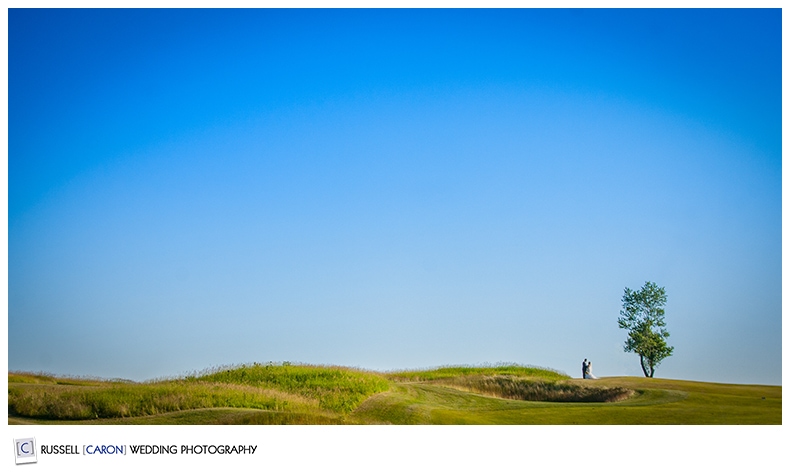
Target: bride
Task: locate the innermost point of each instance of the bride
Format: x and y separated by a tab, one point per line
589	374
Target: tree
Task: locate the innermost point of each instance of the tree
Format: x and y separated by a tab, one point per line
643	316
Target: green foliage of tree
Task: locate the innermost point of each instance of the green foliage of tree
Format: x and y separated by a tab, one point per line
643	316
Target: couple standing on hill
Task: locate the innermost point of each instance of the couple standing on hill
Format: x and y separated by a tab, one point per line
587	370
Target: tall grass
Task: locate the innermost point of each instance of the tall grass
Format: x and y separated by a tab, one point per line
44	378
514	388
337	389
454	371
266	387
126	400
324	395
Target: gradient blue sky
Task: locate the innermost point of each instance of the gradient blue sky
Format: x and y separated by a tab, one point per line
392	188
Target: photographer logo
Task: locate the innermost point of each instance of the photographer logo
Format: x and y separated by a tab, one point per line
25	450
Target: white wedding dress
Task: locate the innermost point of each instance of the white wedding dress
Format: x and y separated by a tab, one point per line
589	374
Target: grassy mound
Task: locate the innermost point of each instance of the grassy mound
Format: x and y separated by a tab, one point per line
455	371
303	394
296	389
515	388
115	400
338	389
513	382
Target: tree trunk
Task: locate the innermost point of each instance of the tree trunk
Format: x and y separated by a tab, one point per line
644	368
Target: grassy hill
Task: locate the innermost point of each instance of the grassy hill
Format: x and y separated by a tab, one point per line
304	394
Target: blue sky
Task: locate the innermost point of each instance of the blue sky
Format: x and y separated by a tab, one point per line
392	188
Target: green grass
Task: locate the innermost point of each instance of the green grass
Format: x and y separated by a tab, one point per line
536	390
654	402
450	372
302	394
308	390
336	389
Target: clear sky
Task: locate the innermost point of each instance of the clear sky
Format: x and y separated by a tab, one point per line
392	189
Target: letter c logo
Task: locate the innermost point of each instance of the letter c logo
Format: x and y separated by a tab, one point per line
22	447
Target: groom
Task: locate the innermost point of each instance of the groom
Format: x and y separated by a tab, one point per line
584	369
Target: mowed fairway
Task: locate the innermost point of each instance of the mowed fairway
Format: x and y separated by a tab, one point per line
334	395
657	401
